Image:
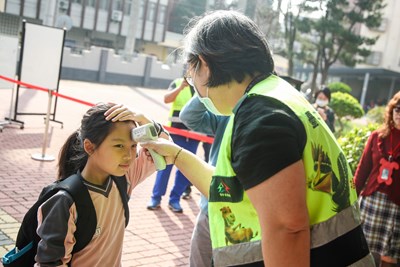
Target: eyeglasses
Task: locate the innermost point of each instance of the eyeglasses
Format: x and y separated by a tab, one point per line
396	109
188	79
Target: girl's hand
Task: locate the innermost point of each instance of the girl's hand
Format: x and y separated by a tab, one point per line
123	113
165	148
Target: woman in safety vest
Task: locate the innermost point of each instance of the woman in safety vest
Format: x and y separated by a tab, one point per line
282	192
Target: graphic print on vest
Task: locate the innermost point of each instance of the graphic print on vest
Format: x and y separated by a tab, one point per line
325	180
226	189
235	234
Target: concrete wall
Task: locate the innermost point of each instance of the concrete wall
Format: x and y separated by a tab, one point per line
104	66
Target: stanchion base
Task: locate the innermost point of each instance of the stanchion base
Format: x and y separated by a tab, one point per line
42	157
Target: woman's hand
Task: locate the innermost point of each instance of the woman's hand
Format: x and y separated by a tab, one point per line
166	148
121	112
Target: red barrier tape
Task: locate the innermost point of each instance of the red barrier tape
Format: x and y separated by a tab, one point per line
189	134
185	133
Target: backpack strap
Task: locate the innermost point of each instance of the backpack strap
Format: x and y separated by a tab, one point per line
87	221
122	186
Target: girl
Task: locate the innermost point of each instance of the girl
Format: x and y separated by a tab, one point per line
377	181
100	148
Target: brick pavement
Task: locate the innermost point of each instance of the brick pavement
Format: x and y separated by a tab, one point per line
159	238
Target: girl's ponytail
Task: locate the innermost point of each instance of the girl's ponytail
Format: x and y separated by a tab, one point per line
72	156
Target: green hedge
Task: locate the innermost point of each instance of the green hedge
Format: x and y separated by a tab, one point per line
339	87
353	143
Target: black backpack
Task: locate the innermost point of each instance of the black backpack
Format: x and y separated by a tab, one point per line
27	240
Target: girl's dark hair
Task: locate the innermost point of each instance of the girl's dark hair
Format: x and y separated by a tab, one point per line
232	45
94	127
388	124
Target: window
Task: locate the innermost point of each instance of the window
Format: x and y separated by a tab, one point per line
91	3
117	5
141	10
151	12
374	58
161	14
127	8
103	4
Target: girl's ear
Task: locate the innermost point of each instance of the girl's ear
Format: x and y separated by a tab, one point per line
88	146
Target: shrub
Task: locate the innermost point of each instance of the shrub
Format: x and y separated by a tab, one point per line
345	105
353	143
376	114
339	87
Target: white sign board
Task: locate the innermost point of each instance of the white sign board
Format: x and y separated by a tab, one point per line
8	59
41	51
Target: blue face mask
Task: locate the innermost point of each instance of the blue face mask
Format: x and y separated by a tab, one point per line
206	101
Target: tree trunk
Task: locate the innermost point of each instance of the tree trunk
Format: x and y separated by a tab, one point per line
324	75
315	73
290	66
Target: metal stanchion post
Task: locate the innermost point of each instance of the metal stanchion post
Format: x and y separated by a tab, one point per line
43	156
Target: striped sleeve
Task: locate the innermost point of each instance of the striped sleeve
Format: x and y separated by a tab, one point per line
56	227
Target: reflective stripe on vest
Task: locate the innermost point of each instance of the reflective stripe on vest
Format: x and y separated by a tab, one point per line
181	99
331	198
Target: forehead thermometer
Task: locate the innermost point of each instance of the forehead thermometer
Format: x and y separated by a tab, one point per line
146	133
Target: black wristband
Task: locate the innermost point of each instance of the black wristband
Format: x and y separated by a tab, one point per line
159	128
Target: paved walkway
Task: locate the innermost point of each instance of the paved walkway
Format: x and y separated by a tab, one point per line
153	238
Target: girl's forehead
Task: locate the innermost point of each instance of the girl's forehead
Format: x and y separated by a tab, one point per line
122	126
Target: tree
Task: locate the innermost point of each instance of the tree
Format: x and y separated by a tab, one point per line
267	19
181	13
338	37
291	24
223	4
345	105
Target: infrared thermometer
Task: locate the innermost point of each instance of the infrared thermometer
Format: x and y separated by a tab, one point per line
146	133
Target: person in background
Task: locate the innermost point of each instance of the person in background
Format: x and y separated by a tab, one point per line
322	99
197	118
377	181
282	191
102	147
179	93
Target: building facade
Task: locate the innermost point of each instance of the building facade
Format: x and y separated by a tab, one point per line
385	53
127	26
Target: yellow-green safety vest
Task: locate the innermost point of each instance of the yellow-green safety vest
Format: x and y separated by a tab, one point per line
331	197
181	99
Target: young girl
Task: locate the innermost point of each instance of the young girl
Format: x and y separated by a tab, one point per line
100	148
